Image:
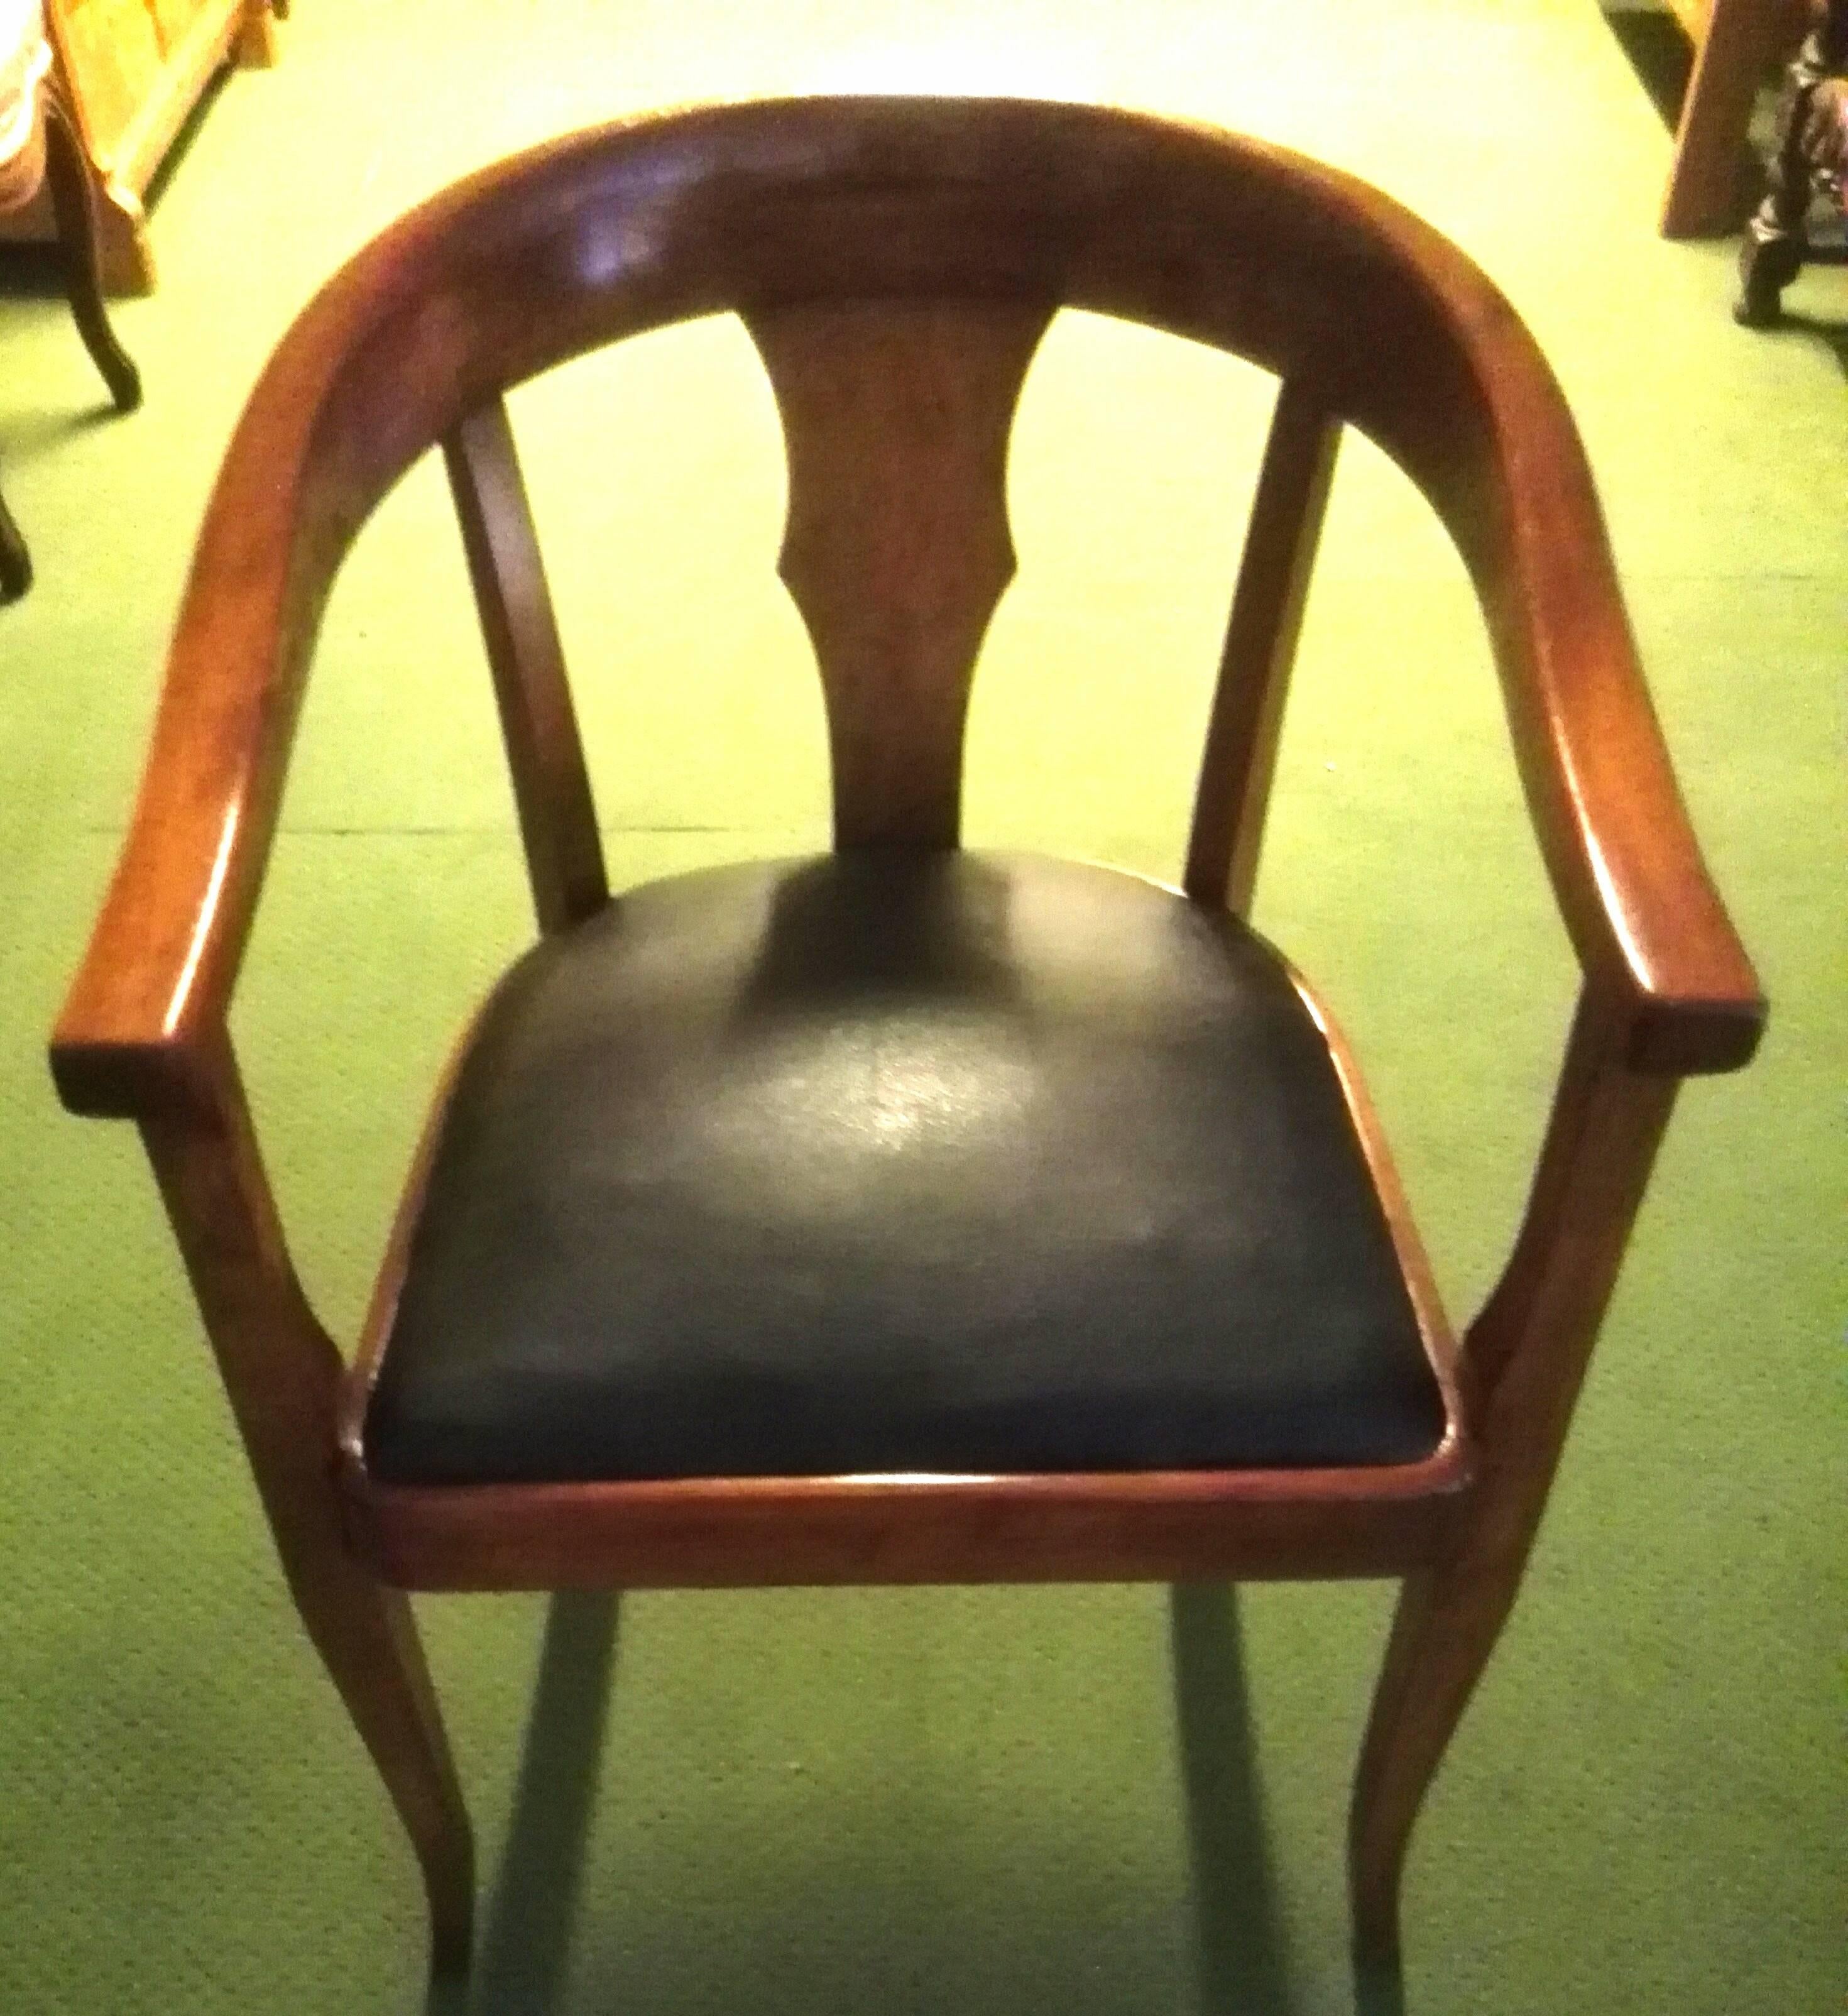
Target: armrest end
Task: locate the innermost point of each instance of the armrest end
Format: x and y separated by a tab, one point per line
1687	1038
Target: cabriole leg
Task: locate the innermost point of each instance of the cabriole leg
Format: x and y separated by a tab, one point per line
368	1639
282	1375
1444	1630
73	208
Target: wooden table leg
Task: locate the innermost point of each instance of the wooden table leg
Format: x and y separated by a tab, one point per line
1707	185
73	210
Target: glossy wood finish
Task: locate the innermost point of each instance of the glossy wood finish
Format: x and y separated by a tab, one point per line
1261	646
740	1532
281	1373
896	261
731	1533
1527	1355
760	206
551	788
897	549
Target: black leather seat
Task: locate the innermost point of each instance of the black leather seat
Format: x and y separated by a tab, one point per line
887	1163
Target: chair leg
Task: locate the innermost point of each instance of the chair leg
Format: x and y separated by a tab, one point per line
15	563
1446	1626
282	1375
67	176
1772	255
368	1640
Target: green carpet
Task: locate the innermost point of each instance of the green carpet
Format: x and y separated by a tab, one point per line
1000	1802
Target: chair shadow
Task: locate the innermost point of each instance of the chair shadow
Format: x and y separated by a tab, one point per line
1657	49
1237	1936
524	1944
1241	1963
1793	323
1241	1970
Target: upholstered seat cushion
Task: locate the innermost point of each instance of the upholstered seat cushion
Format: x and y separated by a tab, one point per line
888	1162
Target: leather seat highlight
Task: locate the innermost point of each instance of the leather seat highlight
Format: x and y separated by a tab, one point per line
884	1162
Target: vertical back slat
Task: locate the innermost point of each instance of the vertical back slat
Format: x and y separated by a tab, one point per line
557	820
897	550
1260	645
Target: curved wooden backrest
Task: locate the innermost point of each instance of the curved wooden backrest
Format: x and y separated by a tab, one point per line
896	261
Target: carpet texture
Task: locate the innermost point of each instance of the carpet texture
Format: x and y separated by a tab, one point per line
1096	1802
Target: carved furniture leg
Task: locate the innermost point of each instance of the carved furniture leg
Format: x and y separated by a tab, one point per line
1773	253
74	211
1443	1631
67	176
1526	1354
282	1374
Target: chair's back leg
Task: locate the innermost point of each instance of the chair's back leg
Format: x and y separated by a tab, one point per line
1526	1354
282	1374
1267	617
897	419
558	818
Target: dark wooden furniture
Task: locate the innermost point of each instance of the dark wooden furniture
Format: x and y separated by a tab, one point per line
1808	159
66	176
1735	43
896	262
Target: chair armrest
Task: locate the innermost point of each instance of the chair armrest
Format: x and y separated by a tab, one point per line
138	1026
311	456
1650	930
1474	416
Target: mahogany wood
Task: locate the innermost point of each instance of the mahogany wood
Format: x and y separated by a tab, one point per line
557	820
1158	1526
1527	1351
897	549
625	229
897	260
737	1532
1261	646
281	1373
1453	1376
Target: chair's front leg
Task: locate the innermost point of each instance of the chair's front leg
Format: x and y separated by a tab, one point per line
1526	1354
282	1373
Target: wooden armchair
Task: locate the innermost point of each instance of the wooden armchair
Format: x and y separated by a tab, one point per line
904	1214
